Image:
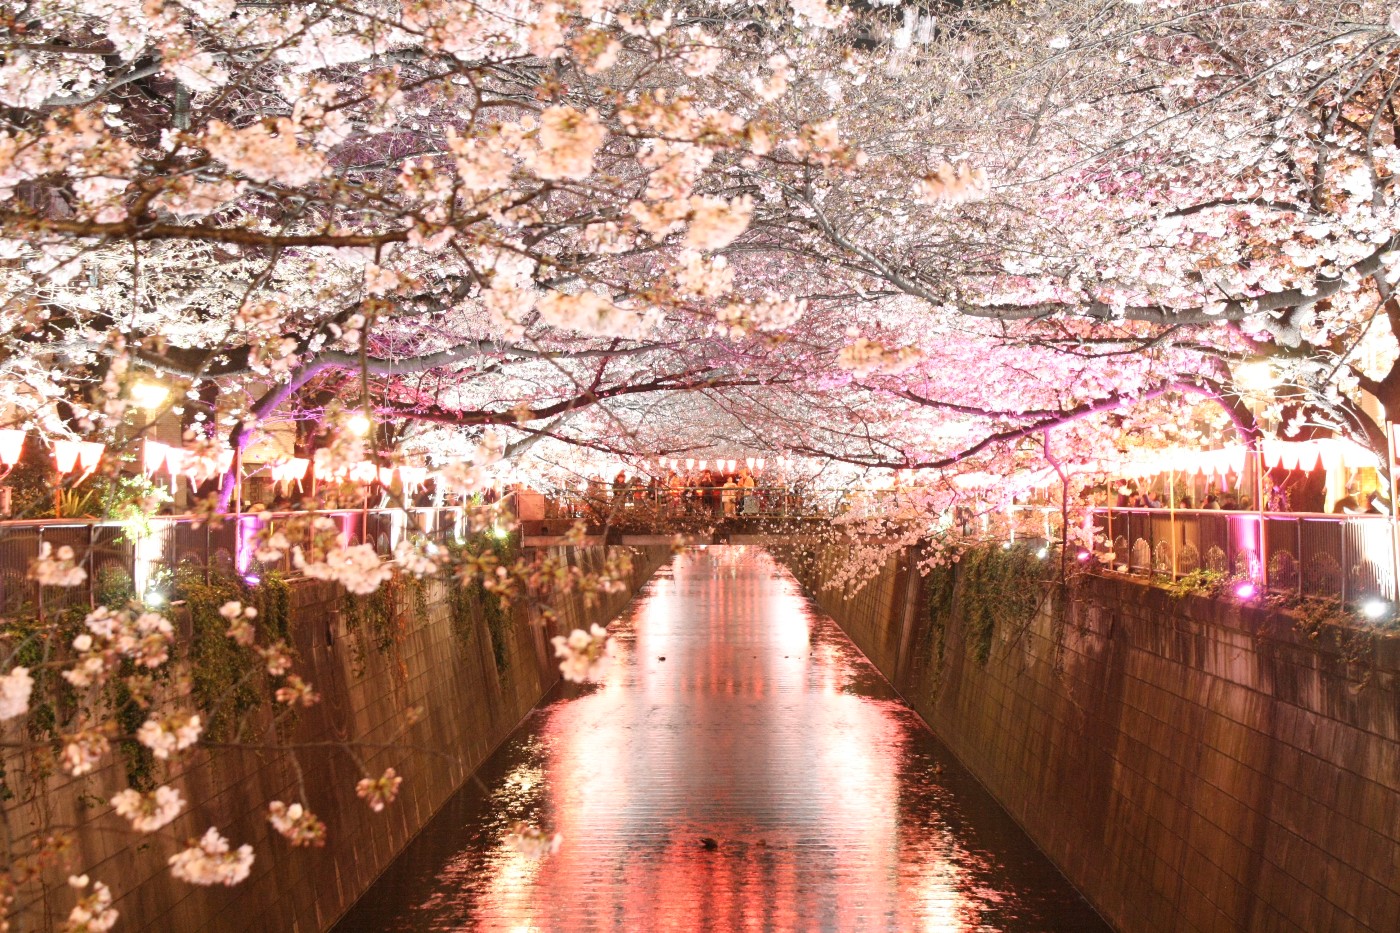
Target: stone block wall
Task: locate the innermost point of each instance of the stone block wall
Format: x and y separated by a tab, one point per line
447	668
1189	764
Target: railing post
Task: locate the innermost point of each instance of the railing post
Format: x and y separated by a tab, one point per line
1393	592
92	566
1344	560
1259	504
1299	523
39	587
1171	514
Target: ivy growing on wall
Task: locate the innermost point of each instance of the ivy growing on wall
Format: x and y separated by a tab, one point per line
54	701
377	621
227	680
939	585
999	586
471	601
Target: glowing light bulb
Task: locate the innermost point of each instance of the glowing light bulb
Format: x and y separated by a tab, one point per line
1375	609
358	424
1256	377
150	396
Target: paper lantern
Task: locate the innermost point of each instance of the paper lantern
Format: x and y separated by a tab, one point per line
175	460
386	476
1235	458
412	477
11	446
153	454
65	455
1308	456
690	463
761	462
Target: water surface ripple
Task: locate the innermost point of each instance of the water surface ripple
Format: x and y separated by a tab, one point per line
736	712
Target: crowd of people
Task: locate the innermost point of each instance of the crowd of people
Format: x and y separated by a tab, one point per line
714	492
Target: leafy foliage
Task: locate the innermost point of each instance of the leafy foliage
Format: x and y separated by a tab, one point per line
996	587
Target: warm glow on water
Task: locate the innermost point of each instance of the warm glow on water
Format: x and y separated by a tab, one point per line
764	729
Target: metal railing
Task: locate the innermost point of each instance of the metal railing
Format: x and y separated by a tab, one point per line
1348	557
134	554
659	506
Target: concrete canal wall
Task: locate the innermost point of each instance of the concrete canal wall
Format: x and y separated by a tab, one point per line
1190	765
474	681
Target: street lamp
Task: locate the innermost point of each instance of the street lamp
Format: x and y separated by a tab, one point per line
358	424
150	396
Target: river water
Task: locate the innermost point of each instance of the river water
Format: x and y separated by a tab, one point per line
741	766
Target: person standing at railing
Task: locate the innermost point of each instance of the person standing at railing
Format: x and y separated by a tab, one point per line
749	495
675	486
730	493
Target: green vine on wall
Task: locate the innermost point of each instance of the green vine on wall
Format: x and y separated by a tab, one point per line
227	679
939	585
377	620
227	682
999	586
472	601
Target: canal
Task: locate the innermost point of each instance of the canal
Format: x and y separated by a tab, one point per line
741	766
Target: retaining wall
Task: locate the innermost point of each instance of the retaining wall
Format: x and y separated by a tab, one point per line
1189	764
448	669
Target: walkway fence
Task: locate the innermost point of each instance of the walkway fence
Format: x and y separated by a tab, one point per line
640	505
1349	557
142	554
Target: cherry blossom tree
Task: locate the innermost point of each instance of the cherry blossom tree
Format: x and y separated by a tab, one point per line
991	244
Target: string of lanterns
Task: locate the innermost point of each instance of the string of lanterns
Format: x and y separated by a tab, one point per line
1331	453
85	456
730	465
68	456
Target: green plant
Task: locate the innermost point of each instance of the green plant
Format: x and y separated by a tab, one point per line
227	679
999	585
113	587
471	600
131	500
1202	582
939	586
70	503
27	642
376	619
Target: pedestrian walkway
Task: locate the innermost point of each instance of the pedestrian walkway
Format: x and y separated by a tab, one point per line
741	766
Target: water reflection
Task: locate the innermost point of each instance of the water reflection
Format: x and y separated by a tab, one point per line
733	713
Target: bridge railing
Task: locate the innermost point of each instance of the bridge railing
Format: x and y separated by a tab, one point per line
662	506
141	553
